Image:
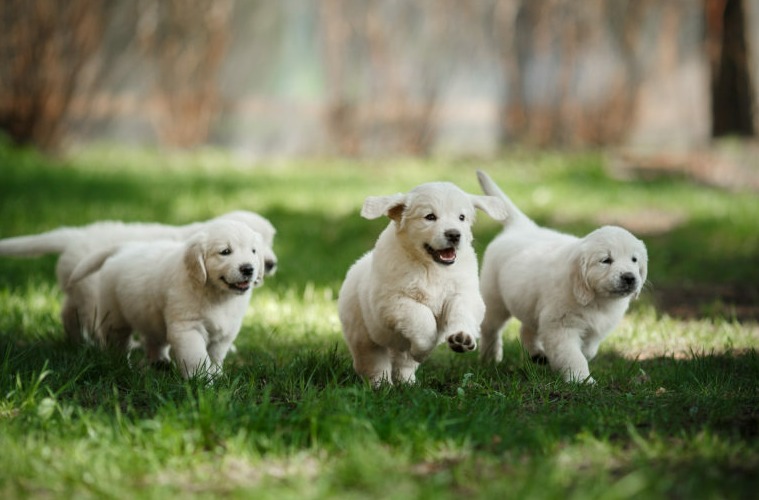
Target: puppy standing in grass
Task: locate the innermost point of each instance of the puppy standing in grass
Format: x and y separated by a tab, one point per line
418	287
190	296
567	292
75	243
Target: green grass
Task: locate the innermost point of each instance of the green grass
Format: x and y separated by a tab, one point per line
675	412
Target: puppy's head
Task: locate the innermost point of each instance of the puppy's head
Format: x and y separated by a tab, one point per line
227	255
434	220
262	226
609	263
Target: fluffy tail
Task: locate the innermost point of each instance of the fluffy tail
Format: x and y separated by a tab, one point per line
90	264
54	241
490	188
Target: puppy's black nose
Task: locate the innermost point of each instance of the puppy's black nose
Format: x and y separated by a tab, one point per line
246	270
270	266
628	279
453	236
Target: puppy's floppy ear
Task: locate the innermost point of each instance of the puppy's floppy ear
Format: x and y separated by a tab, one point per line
377	206
642	267
261	267
491	205
194	258
581	289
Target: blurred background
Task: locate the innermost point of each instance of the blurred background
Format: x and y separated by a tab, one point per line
382	77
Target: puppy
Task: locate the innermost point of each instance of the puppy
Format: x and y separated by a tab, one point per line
418	286
190	296
75	243
567	292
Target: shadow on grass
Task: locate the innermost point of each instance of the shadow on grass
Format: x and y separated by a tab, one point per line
35	189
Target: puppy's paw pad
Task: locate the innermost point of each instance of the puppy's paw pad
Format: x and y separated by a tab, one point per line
461	342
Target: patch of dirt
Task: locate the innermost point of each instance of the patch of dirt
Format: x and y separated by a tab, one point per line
646	222
733	166
738	301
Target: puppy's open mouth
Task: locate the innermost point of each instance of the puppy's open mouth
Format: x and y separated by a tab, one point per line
446	256
239	286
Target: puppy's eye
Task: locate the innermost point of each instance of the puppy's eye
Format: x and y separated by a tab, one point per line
635	259
607	260
254	250
226	251
462	217
431	217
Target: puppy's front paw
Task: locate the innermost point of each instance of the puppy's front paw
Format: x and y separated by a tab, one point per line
461	342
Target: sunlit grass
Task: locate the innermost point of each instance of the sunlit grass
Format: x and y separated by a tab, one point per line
673	414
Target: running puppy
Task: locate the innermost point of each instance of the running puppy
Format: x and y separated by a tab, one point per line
75	243
418	287
567	292
190	296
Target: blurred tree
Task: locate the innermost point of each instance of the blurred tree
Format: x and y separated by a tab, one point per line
570	69
54	57
44	49
187	41
381	87
576	73
732	96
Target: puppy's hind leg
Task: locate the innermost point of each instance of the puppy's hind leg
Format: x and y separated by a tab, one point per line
157	352
404	368
73	323
491	341
79	313
372	361
533	346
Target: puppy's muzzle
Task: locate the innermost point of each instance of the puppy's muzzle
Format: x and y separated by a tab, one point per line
446	256
628	283
246	272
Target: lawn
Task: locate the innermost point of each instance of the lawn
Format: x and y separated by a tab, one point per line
675	412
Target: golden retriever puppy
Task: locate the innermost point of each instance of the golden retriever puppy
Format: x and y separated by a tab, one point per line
418	287
188	295
75	243
567	292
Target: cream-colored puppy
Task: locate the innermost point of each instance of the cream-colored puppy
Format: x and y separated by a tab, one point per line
567	292
75	243
418	287
190	296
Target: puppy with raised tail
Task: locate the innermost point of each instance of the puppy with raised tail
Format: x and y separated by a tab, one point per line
73	244
418	287
569	293
188	295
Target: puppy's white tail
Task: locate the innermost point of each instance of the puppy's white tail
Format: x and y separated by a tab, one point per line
90	264
54	241
490	188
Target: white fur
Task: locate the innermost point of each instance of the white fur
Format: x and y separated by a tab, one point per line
190	296
567	292
398	302
75	243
